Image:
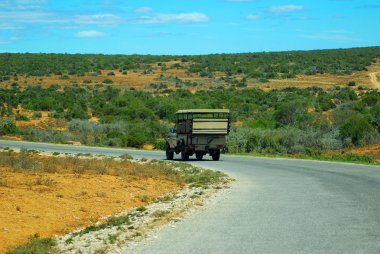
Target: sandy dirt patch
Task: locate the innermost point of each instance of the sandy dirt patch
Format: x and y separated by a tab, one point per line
50	204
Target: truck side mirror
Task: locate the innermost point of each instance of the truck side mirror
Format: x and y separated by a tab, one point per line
172	130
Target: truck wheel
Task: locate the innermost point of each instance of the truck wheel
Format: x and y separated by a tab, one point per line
169	154
199	156
184	156
216	155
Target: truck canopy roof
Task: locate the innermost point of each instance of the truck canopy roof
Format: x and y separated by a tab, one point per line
202	111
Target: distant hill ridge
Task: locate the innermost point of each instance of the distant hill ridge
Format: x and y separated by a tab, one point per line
267	65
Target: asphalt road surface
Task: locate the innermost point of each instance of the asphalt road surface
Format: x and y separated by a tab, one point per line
276	206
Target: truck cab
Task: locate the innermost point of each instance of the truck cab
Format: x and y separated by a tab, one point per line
199	132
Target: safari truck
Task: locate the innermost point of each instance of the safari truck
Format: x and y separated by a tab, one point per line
199	132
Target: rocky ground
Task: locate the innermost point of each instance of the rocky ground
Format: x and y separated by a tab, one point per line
126	230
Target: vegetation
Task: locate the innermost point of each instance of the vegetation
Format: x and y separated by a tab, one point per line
287	121
262	66
31	172
36	245
278	121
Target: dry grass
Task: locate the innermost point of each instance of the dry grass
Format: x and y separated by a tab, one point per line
50	196
138	80
27	161
373	150
43	123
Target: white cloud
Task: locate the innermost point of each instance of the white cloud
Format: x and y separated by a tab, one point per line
90	33
253	17
144	9
194	17
286	8
98	19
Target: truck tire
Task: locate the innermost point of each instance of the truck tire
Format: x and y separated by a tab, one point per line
169	154
199	156
216	155
184	156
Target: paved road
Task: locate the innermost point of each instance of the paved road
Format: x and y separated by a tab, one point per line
277	206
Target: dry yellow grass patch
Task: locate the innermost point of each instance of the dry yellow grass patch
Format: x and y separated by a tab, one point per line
52	196
138	79
373	150
43	123
362	78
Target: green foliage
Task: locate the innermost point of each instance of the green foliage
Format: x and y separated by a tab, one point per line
279	121
51	136
107	81
356	128
76	112
37	114
160	145
135	118
349	157
262	66
291	113
375	116
112	221
282	140
36	245
22	118
263	123
199	177
7	127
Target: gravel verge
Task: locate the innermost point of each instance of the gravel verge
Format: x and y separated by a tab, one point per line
126	230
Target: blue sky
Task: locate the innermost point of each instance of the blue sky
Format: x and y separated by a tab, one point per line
186	26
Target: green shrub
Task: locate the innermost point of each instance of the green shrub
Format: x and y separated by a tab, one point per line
22	118
355	128
36	245
107	81
37	114
7	127
160	145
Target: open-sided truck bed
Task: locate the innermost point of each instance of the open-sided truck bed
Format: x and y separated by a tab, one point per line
199	132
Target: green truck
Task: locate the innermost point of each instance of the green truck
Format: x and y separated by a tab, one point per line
199	132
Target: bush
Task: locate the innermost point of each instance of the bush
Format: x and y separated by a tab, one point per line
36	245
290	113
107	81
7	127
22	118
47	136
37	114
76	112
160	145
356	128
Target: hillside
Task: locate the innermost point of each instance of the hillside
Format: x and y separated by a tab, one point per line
322	68
130	101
